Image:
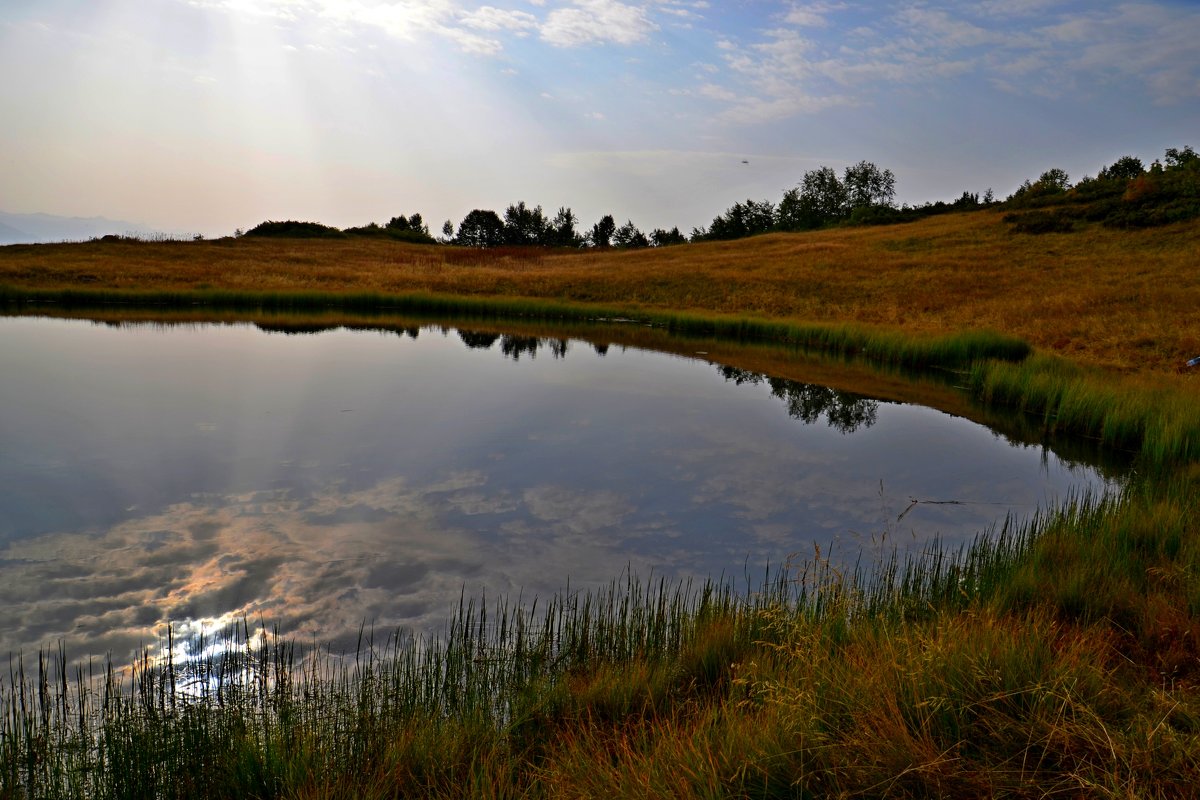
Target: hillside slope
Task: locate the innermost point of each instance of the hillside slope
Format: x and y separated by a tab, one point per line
1123	299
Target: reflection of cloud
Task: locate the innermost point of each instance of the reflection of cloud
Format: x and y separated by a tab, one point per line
317	566
574	511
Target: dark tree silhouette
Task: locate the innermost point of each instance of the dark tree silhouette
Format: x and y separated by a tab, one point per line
514	346
602	232
481	228
1177	158
819	200
629	237
477	340
807	402
662	238
524	226
561	230
1125	168
743	219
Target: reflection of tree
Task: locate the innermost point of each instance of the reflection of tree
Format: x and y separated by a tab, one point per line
477	340
293	328
514	346
808	402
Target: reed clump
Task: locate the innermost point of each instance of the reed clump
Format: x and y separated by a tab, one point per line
1061	655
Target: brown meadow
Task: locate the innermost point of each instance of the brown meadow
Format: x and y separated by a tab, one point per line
1123	300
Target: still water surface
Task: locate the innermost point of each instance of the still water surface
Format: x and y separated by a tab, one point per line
200	473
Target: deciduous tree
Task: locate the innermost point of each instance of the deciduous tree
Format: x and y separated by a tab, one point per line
602	232
868	185
524	225
629	237
481	228
561	231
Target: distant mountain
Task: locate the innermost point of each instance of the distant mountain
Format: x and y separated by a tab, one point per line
34	228
10	235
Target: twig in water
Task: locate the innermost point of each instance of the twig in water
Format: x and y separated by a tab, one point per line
947	503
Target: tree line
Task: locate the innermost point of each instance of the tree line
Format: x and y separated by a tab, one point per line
522	226
1126	193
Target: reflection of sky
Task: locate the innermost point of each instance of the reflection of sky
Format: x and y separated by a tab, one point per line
325	480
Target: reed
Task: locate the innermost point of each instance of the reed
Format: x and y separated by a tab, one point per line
1161	424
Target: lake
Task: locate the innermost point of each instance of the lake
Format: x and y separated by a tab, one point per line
201	473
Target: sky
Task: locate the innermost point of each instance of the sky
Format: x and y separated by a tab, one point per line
212	115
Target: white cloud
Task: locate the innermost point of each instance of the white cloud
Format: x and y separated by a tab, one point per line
682	10
597	22
476	30
488	18
715	92
790	69
811	15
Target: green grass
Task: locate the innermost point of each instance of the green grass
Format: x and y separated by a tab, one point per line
1161	425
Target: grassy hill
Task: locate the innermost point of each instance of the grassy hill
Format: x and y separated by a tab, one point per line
1126	300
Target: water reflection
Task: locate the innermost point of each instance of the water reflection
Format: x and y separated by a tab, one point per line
843	411
204	473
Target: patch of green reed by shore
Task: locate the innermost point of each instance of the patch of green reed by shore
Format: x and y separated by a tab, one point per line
1163	427
883	347
1058	656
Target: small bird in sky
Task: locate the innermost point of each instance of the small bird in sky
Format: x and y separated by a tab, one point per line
744	161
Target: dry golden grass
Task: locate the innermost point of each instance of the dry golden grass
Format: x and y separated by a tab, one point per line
1124	300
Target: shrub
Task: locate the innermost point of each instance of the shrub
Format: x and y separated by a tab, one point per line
295	230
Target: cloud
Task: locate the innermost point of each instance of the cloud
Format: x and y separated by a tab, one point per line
478	30
811	15
806	63
597	22
488	18
685	11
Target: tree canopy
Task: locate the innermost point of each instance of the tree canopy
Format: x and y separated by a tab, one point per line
480	228
602	232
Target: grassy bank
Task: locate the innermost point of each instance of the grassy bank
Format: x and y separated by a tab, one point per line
1122	300
1056	658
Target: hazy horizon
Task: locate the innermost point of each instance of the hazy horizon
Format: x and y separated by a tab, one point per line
211	115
